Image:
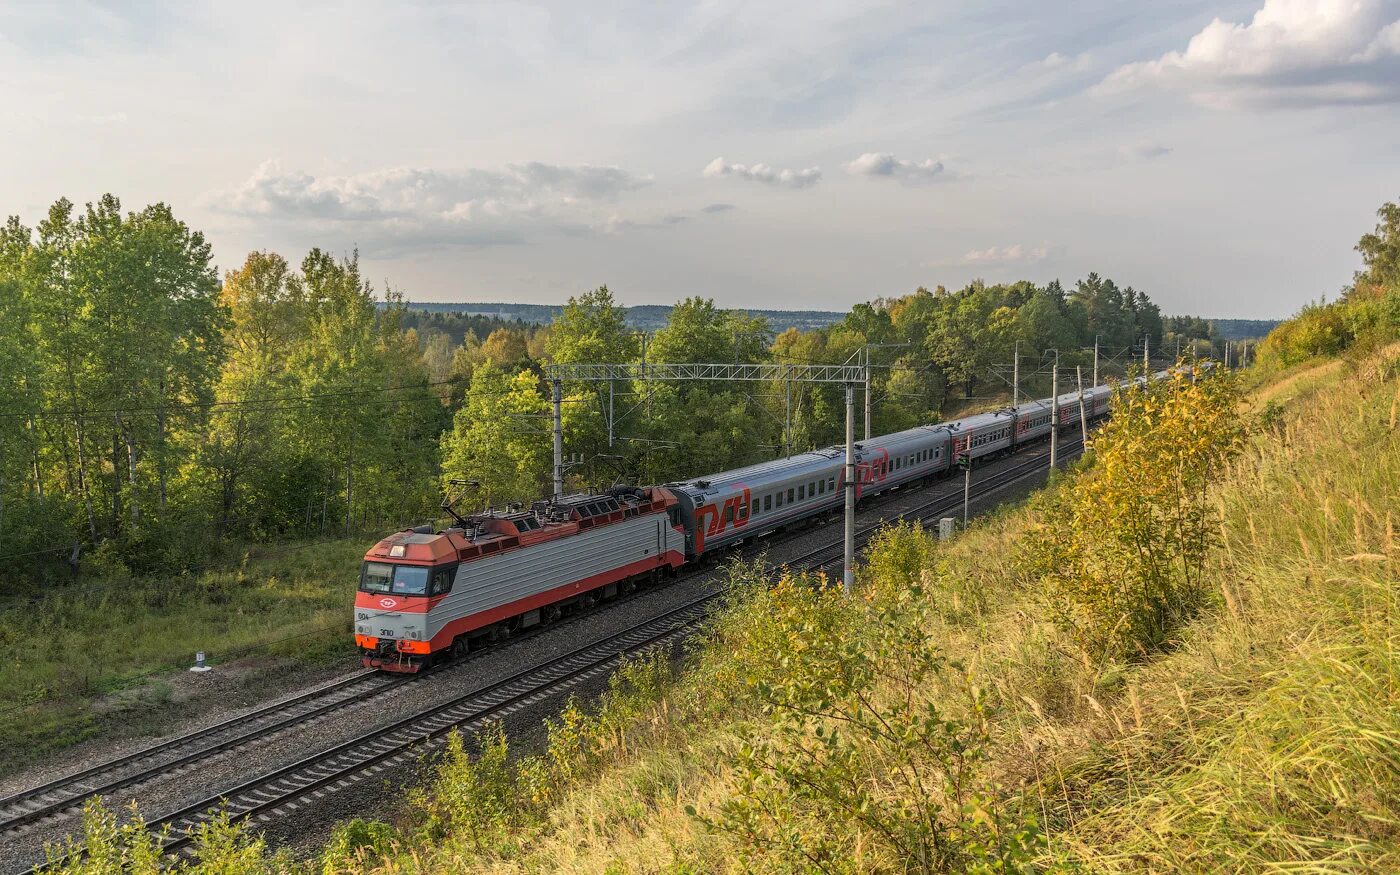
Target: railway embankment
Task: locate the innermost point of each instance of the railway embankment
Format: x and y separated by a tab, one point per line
1181	657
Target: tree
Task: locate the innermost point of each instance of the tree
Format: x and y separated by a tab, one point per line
1120	550
499	437
1380	252
505	347
591	328
700	332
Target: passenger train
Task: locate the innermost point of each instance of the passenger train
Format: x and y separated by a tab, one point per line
424	593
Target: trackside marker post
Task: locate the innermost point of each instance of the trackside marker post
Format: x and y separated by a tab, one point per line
199	665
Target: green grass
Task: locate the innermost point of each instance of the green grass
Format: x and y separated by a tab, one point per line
1263	736
96	657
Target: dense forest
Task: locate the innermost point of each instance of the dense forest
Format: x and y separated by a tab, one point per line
151	410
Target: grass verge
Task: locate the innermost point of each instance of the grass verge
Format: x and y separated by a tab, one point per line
98	658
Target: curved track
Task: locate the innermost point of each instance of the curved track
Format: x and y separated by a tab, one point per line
372	752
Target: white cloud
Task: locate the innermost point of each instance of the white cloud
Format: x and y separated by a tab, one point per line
1144	151
1062	63
885	164
1292	51
764	173
1013	254
432	204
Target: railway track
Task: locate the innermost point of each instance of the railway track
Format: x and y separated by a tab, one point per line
383	748
37	803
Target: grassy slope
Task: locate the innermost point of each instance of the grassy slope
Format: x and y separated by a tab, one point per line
97	657
1268	738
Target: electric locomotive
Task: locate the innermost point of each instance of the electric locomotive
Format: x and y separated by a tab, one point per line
423	592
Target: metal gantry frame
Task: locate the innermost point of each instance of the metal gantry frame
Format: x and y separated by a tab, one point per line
847	374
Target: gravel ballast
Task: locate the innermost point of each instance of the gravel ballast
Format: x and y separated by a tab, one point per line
383	795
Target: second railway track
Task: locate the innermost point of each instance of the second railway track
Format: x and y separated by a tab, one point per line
372	752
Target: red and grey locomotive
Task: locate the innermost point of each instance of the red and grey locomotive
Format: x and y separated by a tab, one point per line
424	592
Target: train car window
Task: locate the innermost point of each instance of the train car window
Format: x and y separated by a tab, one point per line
743	511
802	492
767	503
831	484
729	513
791	493
442	582
780	499
821	487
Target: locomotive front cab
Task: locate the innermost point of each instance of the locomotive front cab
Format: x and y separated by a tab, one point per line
401	579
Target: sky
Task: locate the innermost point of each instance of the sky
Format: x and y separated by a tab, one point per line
1223	157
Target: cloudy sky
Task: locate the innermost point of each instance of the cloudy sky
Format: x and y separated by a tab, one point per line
1222	156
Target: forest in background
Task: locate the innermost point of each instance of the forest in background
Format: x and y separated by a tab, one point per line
651	317
151	410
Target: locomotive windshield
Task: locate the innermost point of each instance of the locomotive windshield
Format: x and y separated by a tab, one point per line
403	579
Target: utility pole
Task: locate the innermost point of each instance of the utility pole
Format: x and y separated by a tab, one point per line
864	357
1096	360
1083	417
787	422
967	489
867	392
1016	376
1146	369
610	412
848	578
558	437
1054	410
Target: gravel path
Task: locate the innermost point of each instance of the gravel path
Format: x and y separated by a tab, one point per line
382	796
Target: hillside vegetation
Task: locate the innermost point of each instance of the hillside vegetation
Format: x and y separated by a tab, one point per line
1179	657
992	705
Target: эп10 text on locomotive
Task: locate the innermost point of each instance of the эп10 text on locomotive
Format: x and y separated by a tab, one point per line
423	592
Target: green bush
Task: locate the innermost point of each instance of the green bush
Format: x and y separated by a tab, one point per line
1120	549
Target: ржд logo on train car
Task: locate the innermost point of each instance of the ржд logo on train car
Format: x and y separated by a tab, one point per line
711	519
388	603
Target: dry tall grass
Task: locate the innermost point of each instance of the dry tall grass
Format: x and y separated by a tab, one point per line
1266	737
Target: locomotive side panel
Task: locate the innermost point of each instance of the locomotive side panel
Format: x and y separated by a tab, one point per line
495	588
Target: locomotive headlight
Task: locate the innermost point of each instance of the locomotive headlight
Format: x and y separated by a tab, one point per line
363	630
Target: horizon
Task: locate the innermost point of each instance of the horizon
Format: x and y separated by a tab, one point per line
1218	155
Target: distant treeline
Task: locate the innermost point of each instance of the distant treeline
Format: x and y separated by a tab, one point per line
643	317
482	319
